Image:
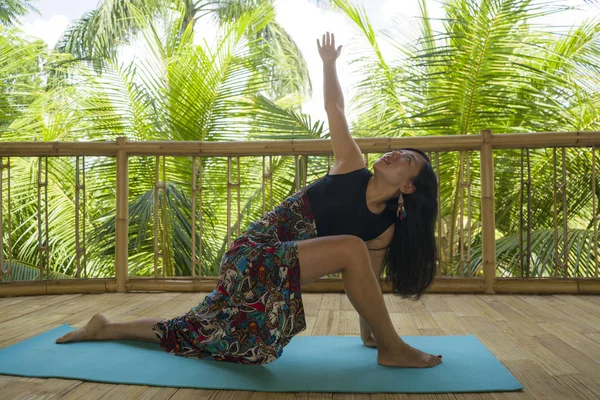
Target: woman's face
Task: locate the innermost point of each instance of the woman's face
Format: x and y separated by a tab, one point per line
399	166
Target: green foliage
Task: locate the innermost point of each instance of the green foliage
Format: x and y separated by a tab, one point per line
490	67
20	73
11	10
180	91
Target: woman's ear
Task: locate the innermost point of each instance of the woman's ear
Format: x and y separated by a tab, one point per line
409	188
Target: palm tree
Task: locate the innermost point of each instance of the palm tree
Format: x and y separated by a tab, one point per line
12	10
99	33
181	91
519	79
492	68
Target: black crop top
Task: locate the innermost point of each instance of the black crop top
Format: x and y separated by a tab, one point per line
339	206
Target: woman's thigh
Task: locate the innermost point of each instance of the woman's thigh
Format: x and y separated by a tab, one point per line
330	254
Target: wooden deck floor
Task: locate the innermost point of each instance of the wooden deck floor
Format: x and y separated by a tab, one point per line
550	343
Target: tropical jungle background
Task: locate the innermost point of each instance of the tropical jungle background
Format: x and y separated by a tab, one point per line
490	66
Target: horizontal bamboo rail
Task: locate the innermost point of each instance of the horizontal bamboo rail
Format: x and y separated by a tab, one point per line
291	147
485	142
325	285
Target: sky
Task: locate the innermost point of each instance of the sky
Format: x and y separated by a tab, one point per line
305	22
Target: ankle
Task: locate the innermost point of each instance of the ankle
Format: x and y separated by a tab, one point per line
392	346
102	332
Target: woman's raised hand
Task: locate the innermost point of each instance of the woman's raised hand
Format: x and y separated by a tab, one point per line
328	51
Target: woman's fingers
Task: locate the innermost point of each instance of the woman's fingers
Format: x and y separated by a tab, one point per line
328	40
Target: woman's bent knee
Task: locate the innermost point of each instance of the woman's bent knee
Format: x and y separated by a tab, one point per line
319	257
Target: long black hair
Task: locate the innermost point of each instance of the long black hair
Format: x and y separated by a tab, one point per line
410	259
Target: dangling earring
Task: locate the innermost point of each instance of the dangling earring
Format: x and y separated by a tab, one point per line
401	212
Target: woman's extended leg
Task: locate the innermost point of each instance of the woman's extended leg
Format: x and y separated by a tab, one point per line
349	254
100	328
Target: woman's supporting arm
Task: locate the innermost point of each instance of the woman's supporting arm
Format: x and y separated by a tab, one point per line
377	258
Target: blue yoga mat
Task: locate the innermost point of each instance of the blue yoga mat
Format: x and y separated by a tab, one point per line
308	364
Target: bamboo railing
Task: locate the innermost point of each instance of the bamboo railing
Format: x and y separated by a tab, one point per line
122	149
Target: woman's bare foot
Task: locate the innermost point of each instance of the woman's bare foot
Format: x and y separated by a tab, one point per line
91	331
408	357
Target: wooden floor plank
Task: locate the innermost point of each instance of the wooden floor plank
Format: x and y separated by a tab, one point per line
158	393
575	339
36	388
578	360
450	324
550	343
422	316
11	310
539	384
487	310
518	323
593	336
546	359
584	303
405	324
463	306
520	395
437	303
523	308
545	305
325	323
585	321
490	334
582	387
330	301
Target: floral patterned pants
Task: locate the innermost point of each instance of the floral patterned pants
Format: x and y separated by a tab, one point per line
256	307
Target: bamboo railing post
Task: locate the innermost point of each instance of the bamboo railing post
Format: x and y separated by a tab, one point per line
122	214
488	222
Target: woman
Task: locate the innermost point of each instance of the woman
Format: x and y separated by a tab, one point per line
344	222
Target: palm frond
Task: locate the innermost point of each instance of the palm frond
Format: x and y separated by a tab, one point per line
545	261
25	272
12	10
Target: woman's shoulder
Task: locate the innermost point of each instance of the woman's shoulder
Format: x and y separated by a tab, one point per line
347	169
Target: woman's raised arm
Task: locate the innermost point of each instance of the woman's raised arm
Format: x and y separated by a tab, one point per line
345	148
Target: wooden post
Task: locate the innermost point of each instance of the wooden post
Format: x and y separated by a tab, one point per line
488	222
122	214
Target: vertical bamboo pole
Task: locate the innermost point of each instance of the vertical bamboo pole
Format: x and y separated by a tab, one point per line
461	238
10	266
262	185
439	215
297	167
239	198
121	239
2	272
229	184
166	263
43	249
595	218
194	197
488	223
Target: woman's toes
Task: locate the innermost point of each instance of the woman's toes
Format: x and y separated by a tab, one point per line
68	337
